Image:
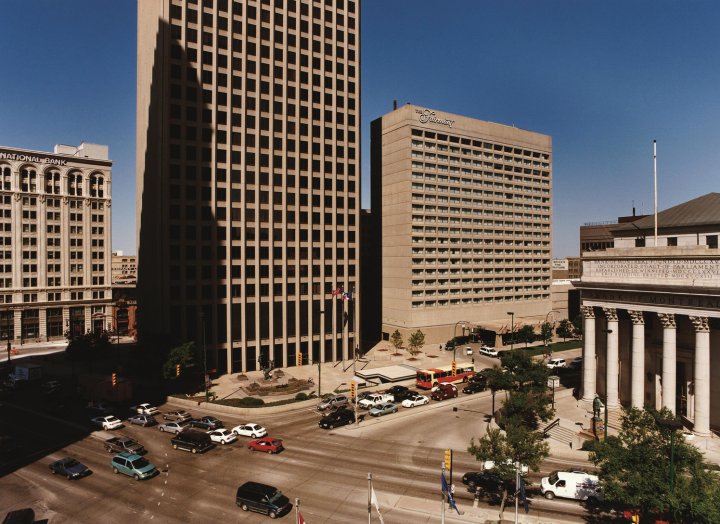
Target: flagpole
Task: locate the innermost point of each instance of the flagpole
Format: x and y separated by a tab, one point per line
369	495
297	511
442	497
655	188
517	494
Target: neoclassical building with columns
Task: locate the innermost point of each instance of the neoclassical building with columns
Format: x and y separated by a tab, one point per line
652	330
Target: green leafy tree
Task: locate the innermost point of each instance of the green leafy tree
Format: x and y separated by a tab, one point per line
634	471
525	334
506	448
523	371
546	332
396	340
577	326
527	407
565	329
186	355
498	379
416	341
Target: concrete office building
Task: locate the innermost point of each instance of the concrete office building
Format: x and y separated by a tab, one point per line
124	268
464	210
248	189
55	231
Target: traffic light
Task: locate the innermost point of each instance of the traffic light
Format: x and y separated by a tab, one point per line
454	368
448	459
114	379
177	370
298	357
353	390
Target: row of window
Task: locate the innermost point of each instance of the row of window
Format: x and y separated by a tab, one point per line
479	300
74	182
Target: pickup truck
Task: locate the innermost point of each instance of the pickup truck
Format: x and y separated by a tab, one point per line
375	400
120	444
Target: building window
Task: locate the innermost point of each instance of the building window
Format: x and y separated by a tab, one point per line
712	241
672	241
640	242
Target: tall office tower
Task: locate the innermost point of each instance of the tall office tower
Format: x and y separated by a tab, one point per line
55	235
248	188
464	209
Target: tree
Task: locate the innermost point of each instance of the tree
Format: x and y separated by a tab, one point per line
506	448
546	332
186	355
396	340
577	326
497	380
416	341
634	472
565	329
523	371
526	334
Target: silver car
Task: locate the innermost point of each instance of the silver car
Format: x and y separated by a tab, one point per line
172	427
333	402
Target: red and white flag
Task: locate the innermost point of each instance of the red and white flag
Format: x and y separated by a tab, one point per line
301	520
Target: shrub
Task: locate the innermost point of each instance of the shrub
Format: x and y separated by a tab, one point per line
301	396
251	401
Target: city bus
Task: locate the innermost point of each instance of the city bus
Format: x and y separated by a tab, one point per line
427	378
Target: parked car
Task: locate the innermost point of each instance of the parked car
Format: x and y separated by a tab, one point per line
468	350
206	423
178	416
488	351
143	420
576	363
70	468
223	436
474	387
340	417
415	400
133	466
266	444
172	427
488	482
193	441
120	444
146	409
261	498
444	391
250	430
556	362
400	393
333	402
100	407
576	485
108	422
383	409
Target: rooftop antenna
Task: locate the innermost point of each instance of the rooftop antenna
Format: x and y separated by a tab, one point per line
633	204
655	186
394	104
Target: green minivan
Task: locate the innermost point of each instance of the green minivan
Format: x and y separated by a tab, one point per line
133	466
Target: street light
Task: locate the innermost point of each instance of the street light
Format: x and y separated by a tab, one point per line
464	325
512	329
673	425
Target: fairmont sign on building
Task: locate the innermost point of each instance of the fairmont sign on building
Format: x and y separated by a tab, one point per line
427	116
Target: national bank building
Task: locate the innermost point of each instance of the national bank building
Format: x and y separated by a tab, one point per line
248	177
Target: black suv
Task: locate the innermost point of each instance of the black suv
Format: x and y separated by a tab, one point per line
340	417
194	441
400	393
474	386
488	482
253	496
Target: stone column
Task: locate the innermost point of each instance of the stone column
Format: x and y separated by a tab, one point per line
702	375
612	363
668	360
637	395
589	363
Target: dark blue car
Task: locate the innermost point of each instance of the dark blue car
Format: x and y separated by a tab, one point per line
70	468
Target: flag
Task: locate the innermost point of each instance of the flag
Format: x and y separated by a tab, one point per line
301	520
336	292
448	492
522	495
374	500
347	296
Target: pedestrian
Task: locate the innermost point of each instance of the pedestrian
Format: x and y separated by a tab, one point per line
473	361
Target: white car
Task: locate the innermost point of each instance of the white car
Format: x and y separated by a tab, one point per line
489	464
556	363
223	436
108	422
468	350
487	350
415	400
146	409
250	430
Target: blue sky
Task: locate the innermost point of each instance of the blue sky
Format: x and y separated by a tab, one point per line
602	78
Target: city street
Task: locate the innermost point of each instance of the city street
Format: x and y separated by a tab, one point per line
326	470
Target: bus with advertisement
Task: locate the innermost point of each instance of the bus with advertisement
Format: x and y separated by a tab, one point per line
428	378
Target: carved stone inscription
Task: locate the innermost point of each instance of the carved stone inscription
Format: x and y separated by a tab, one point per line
656	269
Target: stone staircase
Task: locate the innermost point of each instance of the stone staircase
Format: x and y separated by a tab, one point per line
615	419
561	434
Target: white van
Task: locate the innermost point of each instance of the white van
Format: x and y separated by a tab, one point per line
576	485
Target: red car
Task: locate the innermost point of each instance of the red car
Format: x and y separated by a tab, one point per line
266	444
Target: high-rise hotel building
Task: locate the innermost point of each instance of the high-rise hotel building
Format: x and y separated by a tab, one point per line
464	212
55	236
248	184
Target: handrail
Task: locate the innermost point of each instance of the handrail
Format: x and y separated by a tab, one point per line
545	431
